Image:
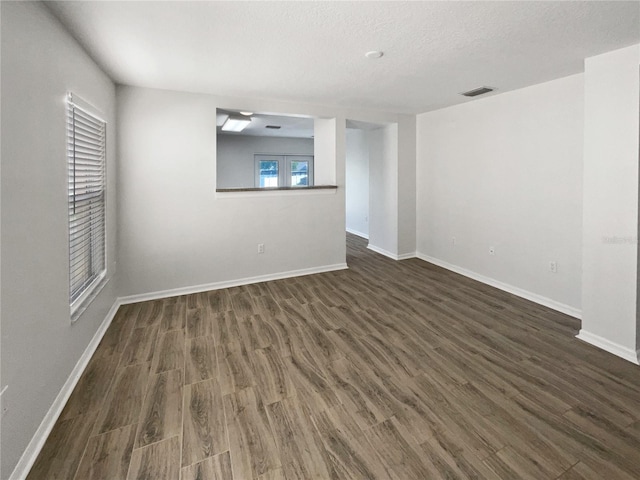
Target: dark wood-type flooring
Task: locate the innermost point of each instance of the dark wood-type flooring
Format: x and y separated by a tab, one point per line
388	370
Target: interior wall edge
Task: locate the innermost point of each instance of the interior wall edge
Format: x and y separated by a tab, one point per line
39	438
527	295
609	346
391	255
359	234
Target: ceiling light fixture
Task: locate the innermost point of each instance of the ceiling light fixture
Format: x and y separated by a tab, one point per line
246	114
236	123
374	54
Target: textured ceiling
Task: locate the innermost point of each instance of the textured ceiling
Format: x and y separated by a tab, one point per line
313	52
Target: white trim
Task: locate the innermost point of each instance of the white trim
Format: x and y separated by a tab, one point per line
382	251
391	255
609	346
356	232
143	297
42	433
534	297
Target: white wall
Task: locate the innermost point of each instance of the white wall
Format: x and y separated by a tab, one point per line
407	185
40	347
506	171
235	160
383	189
176	233
610	261
325	144
357	182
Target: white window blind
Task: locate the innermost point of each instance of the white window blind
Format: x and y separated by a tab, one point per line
86	166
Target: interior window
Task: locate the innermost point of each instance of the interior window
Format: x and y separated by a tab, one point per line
268	172
299	173
283	171
260	150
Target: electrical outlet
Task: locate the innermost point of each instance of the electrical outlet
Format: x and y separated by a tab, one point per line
492	250
553	267
261	248
453	241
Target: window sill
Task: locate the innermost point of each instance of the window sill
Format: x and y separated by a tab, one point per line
80	305
253	191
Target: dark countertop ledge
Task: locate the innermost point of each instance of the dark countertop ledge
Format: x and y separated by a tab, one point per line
274	189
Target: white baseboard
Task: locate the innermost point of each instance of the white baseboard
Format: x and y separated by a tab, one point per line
609	346
391	255
32	451
360	234
534	297
382	251
143	297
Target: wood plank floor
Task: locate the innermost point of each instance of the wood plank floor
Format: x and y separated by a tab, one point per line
388	370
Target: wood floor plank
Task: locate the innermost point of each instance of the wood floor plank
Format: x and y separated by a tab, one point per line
279	326
579	472
243	304
310	381
225	328
351	455
217	467
116	336
150	313
450	460
271	376
252	444
141	345
219	301
174	316
204	426
621	445
360	393
398	450
200	362
61	454
199	322
255	332
161	414
595	469
299	446
122	406
91	389
169	352
234	367
159	461
107	456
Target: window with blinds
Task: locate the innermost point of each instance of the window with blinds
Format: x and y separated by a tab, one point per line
87	183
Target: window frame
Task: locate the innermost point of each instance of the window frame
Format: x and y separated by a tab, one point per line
81	294
284	168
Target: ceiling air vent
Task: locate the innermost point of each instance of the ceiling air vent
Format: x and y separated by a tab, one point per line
477	91
274	127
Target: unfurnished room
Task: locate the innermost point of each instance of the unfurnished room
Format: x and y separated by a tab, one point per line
278	240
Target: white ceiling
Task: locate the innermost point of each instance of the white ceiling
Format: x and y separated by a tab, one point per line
313	52
290	125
